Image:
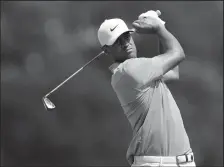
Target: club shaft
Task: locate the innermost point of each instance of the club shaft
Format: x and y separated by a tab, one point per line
74	74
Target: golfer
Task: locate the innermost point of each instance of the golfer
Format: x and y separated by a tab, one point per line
159	136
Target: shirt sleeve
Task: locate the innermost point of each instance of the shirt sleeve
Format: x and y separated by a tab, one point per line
144	70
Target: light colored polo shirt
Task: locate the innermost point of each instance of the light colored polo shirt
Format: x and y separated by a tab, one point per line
149	106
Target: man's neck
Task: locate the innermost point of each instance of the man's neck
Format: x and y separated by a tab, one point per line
114	66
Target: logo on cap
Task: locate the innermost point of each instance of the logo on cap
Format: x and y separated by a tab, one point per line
112	29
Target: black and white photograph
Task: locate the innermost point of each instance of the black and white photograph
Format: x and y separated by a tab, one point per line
112	83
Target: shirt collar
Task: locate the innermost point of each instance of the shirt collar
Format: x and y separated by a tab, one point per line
113	67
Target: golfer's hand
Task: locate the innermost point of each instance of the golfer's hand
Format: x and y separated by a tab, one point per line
148	23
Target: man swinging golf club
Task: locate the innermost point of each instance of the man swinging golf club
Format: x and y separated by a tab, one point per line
159	136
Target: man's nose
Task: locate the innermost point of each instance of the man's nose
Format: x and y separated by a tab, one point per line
124	43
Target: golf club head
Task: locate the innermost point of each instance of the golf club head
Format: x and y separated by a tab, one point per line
48	104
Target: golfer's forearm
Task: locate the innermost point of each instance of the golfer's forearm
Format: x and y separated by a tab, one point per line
172	74
169	42
173	53
161	48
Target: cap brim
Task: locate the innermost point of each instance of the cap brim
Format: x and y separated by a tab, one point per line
129	30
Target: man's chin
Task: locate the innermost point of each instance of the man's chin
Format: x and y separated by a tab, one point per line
132	54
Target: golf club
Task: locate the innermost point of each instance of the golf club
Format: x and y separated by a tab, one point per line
47	103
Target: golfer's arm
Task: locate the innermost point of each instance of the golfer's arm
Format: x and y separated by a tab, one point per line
173	54
172	74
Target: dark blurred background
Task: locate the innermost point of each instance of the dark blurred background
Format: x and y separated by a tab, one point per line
42	43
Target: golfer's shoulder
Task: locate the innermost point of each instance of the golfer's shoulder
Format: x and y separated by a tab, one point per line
133	63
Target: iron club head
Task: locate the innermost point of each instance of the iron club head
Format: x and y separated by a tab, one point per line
48	104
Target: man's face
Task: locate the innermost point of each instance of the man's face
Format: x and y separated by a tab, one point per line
123	48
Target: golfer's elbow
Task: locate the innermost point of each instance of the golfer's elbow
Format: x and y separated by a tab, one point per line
182	54
179	53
